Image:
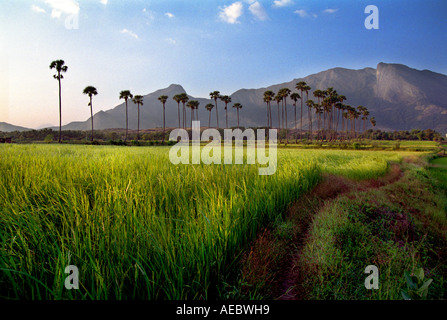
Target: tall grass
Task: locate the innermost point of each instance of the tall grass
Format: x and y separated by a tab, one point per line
136	226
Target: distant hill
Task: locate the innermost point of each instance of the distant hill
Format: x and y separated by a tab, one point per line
6	127
401	98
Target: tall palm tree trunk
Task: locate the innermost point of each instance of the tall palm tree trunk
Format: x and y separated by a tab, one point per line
279	118
60	108
296	137
301	118
268	118
164	123
287	131
138	125
237	117
127	123
217	114
91	113
178	109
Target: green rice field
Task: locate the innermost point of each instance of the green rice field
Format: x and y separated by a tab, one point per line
139	227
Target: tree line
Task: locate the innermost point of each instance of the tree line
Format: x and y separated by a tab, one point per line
126	95
328	110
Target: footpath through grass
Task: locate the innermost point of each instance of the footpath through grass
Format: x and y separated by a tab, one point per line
321	249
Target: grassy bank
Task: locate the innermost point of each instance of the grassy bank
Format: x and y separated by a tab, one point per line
400	227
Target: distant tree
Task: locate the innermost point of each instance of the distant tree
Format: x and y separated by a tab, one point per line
278	99
373	121
301	86
60	67
306	89
268	97
184	100
237	106
364	113
126	95
90	91
163	100
295	96
216	95
178	99
226	100
193	105
209	107
138	100
285	92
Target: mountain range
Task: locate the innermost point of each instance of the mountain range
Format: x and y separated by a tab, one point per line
399	97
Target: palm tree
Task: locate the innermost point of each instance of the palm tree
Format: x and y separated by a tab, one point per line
310	105
306	89
373	121
268	97
184	100
125	94
226	100
177	98
319	94
339	105
216	95
300	86
163	100
90	91
193	104
209	107
318	111
278	99
237	106
295	96
351	115
285	92
364	113
60	67
138	100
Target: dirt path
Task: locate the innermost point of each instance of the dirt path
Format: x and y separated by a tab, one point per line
288	283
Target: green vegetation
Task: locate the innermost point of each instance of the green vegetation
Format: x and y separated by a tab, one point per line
417	286
399	227
136	225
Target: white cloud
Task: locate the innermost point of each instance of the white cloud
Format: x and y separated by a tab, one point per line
104	2
63	6
130	33
258	11
302	13
55	13
149	14
231	13
282	3
37	9
330	10
171	41
169	15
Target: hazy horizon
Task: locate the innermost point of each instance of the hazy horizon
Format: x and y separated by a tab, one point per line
204	46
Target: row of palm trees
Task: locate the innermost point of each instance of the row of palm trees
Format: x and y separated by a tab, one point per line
328	108
126	95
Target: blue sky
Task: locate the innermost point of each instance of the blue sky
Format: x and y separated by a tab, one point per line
202	45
